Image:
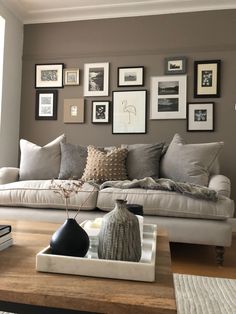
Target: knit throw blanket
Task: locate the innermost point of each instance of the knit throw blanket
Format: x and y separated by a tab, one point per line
188	189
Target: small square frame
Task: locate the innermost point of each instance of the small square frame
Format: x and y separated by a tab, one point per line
74	110
130	76
96	79
175	65
71	76
100	111
207	79
46	105
49	75
200	117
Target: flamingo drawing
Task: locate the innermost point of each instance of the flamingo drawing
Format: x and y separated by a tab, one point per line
130	109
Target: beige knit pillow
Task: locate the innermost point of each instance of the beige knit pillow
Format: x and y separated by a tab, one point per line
105	166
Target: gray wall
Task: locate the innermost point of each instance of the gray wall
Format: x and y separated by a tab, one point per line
134	41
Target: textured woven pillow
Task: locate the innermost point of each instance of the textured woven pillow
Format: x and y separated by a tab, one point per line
40	163
73	161
189	162
102	166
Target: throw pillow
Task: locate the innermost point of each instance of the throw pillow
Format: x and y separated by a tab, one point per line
189	162
40	163
143	160
105	166
73	161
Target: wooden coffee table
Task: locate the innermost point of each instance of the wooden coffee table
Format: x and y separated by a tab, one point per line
24	290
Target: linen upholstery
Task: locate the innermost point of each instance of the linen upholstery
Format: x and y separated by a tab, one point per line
221	184
189	162
39	163
102	166
8	174
73	161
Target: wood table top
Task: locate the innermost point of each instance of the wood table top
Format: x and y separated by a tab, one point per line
21	283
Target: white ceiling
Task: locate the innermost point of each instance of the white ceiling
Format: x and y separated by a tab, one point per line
43	11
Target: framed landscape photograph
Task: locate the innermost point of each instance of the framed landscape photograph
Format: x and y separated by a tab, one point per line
49	75
175	65
46	105
74	110
207	78
130	76
200	116
129	112
168	97
96	79
71	76
100	111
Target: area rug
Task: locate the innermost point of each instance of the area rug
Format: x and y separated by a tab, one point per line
204	295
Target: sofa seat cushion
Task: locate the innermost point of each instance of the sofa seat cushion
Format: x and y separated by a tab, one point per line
37	193
163	203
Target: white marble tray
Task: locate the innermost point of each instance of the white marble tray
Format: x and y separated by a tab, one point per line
91	265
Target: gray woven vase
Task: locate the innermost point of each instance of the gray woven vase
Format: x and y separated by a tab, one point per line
119	237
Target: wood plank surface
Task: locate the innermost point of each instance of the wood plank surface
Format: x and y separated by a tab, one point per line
21	283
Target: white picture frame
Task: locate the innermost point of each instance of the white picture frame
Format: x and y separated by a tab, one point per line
96	79
71	76
168	97
200	116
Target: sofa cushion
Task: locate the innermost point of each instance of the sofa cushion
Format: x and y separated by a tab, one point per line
189	162
163	203
102	166
39	163
37	193
143	160
73	161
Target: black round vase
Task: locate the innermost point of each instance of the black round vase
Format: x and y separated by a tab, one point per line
70	239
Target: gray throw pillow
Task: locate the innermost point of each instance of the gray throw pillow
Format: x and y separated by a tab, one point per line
143	160
40	163
189	162
73	161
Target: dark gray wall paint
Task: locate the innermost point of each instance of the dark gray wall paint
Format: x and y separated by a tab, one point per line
129	42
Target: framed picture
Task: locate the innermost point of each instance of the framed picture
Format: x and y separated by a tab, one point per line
96	79
71	76
130	76
46	105
49	75
100	111
175	65
168	97
207	78
129	112
200	116
74	110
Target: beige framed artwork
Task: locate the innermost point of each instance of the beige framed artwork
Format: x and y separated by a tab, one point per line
74	110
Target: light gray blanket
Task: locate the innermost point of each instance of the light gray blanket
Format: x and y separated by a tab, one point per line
188	189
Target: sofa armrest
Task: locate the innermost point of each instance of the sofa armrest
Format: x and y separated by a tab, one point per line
9	174
221	184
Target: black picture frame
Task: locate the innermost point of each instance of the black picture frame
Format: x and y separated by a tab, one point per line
128	107
175	65
49	75
46	107
126	78
100	112
201	117
207	79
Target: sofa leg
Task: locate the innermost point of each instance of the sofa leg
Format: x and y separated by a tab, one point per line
220	250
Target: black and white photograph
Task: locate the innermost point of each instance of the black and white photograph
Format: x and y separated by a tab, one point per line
175	65
200	117
49	75
46	105
207	78
168	104
168	97
100	112
130	76
96	79
71	76
129	112
168	88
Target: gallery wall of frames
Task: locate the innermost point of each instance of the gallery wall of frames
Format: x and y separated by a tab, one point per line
127	110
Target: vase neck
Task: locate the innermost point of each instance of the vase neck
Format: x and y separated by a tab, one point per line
121	204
